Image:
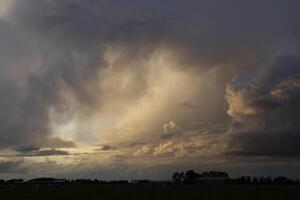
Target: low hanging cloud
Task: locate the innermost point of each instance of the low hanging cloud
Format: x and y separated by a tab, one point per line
17	167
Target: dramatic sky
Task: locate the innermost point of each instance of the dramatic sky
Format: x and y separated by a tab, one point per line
118	89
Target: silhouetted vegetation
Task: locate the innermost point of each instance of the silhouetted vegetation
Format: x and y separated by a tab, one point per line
189	177
217	177
184	185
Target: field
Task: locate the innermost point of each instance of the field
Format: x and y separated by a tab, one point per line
172	192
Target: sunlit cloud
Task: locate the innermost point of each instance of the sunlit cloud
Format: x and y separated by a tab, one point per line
106	88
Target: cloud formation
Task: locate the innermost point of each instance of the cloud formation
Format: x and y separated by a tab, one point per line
137	82
265	109
7	167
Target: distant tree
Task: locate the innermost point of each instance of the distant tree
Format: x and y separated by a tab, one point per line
181	176
243	180
191	176
248	180
215	174
178	177
282	180
14	181
262	180
255	180
175	177
268	180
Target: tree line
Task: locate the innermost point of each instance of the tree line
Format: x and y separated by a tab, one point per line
218	177
188	177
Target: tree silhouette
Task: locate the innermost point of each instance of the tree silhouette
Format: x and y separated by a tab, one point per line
191	176
178	177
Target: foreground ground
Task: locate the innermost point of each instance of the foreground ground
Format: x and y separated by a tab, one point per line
173	192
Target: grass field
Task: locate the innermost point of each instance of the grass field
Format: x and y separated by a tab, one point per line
173	192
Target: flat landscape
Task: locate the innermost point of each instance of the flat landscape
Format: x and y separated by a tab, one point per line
149	99
107	192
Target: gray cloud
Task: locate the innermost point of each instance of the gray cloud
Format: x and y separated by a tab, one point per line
107	148
16	167
37	153
267	109
53	59
51	152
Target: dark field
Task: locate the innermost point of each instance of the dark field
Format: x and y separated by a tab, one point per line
86	192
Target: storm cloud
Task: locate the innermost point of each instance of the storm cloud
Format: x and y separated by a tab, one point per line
265	109
77	75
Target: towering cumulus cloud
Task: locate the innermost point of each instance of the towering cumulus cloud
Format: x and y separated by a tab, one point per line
103	85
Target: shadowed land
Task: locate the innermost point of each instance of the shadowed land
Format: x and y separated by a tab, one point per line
129	191
189	185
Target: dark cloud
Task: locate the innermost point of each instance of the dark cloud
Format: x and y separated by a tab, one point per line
53	54
107	148
72	35
268	111
26	110
51	152
27	148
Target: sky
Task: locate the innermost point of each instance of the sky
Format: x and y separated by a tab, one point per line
125	89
